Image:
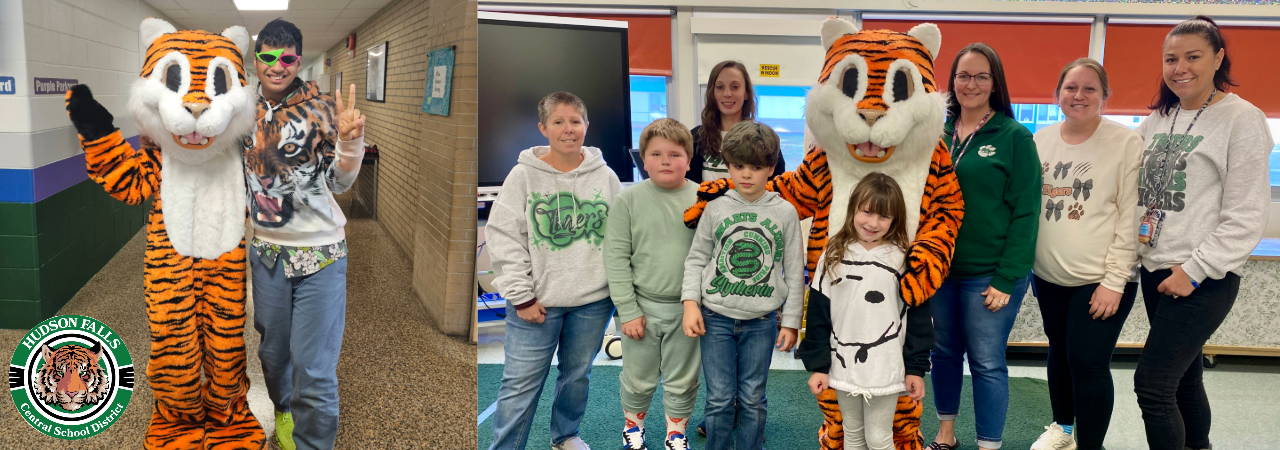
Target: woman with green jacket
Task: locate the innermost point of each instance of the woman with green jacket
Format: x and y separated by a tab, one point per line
999	170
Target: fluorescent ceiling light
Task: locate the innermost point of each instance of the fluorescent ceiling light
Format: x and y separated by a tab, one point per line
262	5
255	37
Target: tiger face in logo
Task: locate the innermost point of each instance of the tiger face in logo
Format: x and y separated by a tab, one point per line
292	174
71	377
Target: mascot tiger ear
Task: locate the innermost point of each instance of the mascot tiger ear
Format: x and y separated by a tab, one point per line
240	36
833	28
152	28
930	36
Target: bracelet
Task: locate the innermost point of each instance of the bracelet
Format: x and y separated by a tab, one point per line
1194	284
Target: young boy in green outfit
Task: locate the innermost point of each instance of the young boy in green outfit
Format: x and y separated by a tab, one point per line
644	250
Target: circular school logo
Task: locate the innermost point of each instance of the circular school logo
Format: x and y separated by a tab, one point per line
747	255
71	377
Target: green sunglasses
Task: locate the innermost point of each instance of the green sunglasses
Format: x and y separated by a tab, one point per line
270	58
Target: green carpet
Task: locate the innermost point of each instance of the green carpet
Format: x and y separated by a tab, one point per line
793	413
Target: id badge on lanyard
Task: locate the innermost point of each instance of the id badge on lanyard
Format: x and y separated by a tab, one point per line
1149	229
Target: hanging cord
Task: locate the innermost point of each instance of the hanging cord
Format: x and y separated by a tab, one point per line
483	297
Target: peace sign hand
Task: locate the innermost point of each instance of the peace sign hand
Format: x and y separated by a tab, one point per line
350	121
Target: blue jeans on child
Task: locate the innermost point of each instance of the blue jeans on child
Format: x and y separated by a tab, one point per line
962	325
301	320
574	335
735	362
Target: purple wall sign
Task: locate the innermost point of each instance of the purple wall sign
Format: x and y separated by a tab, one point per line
58	86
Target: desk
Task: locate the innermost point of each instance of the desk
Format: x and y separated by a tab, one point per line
1252	328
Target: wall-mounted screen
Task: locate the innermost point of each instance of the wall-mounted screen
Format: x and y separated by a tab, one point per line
522	59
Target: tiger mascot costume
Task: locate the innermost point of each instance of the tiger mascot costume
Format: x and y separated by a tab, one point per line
876	107
191	101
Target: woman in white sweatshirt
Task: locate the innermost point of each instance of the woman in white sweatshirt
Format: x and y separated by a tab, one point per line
1085	254
1202	205
545	237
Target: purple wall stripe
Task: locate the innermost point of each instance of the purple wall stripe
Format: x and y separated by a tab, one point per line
33	185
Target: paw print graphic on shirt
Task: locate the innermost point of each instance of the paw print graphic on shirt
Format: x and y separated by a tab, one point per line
986	150
1075	211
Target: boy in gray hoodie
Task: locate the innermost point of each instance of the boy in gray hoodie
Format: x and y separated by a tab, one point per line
746	261
546	241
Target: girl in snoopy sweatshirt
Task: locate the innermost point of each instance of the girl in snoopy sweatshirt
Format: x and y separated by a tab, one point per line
857	324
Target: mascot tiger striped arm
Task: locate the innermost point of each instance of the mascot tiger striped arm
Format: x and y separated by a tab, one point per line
191	104
875	109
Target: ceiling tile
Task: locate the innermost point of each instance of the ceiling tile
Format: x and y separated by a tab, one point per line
208	4
303	23
363	13
315	13
320	4
201	14
163	4
263	16
177	13
350	21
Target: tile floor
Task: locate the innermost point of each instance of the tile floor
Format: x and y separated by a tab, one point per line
402	383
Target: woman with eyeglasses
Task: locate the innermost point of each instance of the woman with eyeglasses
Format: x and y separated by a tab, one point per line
999	171
1202	205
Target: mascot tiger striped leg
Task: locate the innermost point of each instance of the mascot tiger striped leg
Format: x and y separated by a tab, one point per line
191	104
877	88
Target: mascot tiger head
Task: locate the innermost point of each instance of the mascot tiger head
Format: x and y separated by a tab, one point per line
876	108
191	98
71	377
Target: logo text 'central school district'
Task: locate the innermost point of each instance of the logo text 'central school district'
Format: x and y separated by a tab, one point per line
71	377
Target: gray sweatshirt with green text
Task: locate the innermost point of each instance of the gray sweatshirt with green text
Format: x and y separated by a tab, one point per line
747	259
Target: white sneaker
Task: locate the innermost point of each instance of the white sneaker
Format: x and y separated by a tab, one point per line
677	442
1054	438
573	443
633	439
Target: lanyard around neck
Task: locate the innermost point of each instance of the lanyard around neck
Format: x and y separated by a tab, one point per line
955	135
1168	147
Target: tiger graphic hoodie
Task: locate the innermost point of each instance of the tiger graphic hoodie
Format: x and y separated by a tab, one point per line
546	230
292	172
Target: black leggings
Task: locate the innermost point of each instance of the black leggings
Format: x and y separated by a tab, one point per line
1080	349
1169	380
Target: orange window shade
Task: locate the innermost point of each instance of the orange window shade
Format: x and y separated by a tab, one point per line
648	41
1033	53
1135	67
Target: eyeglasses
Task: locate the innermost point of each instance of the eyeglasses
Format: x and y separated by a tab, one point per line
270	58
983	79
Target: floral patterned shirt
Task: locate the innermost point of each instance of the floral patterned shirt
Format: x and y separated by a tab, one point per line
300	261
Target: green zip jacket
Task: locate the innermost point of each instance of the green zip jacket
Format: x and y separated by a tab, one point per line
1000	179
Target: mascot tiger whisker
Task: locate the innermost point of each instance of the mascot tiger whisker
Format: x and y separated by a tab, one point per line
876	108
192	106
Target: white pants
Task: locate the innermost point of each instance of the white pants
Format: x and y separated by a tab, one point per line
868	421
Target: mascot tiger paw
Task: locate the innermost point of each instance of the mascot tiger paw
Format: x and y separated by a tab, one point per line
875	108
192	105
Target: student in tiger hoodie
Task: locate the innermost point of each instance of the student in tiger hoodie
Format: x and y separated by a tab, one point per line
305	149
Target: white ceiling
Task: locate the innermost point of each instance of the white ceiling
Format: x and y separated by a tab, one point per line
323	22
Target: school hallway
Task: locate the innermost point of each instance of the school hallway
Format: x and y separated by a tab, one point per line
402	383
1244	393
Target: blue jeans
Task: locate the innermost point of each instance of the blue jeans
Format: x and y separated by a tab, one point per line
963	326
301	320
572	334
735	361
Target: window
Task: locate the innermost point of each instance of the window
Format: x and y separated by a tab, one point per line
1035	117
782	108
648	103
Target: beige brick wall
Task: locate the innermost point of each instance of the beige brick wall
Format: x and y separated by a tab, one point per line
427	180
